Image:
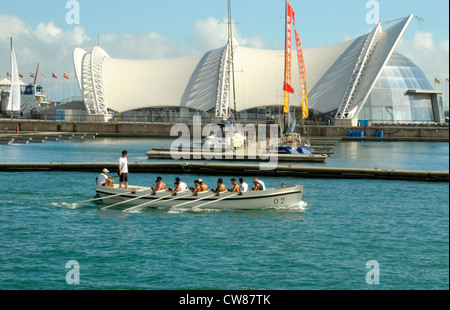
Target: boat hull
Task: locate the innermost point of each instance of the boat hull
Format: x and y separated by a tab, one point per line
271	198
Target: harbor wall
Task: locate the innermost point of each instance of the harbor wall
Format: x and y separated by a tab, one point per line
413	132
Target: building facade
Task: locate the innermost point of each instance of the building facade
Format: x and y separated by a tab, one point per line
359	79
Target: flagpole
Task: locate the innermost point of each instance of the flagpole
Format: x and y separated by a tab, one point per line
446	93
53	97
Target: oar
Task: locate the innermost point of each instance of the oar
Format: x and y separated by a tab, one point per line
155	202
147	203
185	203
125	201
210	202
84	201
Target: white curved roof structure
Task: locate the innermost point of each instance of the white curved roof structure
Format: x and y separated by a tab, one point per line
339	77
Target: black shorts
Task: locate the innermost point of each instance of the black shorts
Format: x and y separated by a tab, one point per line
124	177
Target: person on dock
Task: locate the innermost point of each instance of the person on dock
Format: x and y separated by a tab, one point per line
183	186
236	188
104	179
196	189
160	185
204	187
243	186
123	170
259	185
221	188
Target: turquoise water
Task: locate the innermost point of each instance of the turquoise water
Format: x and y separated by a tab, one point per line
323	244
381	155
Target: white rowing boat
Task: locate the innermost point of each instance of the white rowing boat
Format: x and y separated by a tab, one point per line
136	197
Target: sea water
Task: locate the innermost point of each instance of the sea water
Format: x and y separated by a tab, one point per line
327	241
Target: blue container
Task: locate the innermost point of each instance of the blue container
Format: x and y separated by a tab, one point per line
379	134
363	122
361	134
350	133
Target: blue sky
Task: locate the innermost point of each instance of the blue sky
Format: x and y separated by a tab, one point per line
319	22
172	28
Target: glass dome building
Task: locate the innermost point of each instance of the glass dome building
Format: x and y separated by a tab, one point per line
402	93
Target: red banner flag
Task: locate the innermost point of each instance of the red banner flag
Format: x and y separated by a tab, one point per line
288	88
65	76
288	63
302	71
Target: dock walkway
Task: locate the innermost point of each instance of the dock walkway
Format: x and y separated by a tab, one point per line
229	169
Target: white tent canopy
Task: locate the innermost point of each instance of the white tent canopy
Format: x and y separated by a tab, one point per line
5	82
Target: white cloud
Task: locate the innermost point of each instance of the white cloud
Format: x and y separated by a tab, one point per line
53	47
211	34
431	56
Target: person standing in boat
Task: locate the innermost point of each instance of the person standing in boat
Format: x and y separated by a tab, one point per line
104	179
123	170
203	186
259	185
221	188
243	186
236	188
160	185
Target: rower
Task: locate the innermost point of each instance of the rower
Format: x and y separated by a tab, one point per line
259	185
197	189
176	189
104	179
236	188
244	186
220	187
203	186
160	186
183	186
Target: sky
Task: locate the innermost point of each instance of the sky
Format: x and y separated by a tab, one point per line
47	31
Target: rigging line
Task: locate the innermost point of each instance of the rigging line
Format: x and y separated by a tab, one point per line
423	20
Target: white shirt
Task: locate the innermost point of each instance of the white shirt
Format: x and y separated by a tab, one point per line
183	186
123	163
101	179
243	187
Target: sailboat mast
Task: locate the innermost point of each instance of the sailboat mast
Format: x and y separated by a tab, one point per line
35	76
230	42
285	60
10	103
